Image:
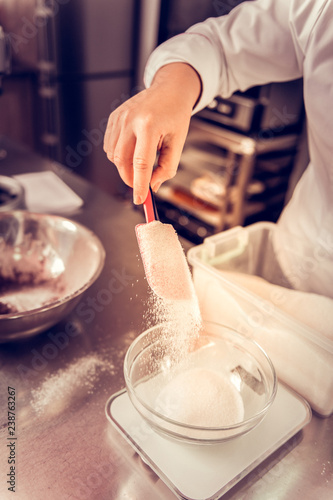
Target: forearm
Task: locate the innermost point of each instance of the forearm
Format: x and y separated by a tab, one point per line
253	45
193	51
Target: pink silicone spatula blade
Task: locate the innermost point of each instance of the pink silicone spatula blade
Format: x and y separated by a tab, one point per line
163	257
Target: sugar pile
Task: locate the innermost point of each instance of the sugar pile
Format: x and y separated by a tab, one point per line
201	397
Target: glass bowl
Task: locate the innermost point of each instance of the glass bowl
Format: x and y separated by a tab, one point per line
204	389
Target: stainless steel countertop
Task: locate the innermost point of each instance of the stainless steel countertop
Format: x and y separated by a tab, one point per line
67	449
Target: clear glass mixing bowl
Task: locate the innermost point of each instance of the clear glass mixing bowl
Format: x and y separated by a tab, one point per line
204	389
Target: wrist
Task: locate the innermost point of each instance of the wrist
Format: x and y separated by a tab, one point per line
179	79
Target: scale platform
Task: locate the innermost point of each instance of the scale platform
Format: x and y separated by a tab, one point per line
206	472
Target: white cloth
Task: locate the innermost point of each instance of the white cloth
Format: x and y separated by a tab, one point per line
45	192
263	41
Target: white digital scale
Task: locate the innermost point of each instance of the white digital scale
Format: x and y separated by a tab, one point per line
206	472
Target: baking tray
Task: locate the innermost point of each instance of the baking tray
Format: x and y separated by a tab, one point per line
206	472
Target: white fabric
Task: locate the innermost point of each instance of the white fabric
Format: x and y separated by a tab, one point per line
263	41
45	192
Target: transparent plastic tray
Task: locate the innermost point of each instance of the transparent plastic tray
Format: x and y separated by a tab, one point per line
222	270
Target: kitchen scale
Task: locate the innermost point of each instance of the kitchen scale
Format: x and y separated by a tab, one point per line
206	472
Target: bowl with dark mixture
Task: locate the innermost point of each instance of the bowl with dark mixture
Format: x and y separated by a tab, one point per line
46	263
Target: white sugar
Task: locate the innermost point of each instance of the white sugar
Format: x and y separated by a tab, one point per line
201	397
57	390
165	264
191	395
172	299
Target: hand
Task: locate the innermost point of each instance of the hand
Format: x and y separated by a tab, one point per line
155	120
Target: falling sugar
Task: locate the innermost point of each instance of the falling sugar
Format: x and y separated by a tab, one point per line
172	300
193	396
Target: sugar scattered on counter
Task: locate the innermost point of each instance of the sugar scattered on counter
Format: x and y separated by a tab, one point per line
56	389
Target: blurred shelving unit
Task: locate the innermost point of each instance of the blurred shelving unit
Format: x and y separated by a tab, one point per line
225	179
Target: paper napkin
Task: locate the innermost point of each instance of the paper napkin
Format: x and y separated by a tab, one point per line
45	192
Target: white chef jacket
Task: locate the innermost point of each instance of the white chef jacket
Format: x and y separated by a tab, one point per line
265	41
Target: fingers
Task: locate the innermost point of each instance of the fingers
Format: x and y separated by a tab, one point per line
149	140
134	154
132	145
107	143
135	132
168	161
143	162
123	158
119	144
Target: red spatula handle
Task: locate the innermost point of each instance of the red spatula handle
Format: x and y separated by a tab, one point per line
149	207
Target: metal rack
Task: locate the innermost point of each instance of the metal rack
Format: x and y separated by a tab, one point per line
225	179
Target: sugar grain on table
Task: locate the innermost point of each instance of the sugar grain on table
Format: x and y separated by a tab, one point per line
61	387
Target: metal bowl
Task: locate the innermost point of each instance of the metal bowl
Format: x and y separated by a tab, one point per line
46	263
218	386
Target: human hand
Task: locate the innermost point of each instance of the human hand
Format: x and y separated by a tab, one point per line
154	121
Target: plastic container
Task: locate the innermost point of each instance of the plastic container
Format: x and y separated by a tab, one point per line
240	283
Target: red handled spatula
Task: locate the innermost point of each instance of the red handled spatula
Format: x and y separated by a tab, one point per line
163	257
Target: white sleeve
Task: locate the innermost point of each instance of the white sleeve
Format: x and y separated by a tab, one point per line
258	42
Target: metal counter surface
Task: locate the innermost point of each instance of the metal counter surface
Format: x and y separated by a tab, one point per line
65	447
